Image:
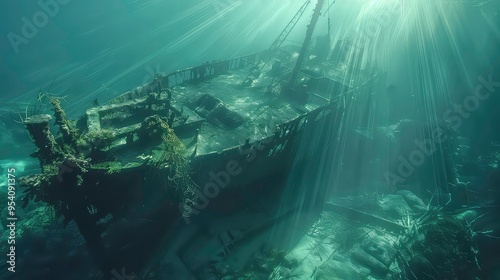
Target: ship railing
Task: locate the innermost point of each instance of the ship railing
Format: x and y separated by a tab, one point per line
207	70
279	138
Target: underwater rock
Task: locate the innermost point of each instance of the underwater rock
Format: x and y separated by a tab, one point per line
364	258
380	249
395	205
412	200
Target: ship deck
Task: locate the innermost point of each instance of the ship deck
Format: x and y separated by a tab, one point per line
212	112
261	111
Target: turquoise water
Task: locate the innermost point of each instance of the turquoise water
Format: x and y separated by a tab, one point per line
429	126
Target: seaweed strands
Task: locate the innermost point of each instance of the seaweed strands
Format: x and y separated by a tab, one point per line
172	158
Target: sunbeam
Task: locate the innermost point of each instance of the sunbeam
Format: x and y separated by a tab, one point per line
263	139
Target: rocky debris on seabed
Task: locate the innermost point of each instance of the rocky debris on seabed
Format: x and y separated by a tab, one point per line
435	245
